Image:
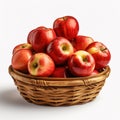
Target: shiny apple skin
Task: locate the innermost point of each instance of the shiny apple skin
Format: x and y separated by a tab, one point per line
30	34
60	50
20	60
81	42
59	72
40	37
66	26
100	53
41	65
81	63
22	46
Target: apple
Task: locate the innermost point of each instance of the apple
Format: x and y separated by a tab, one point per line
59	72
30	34
41	65
60	49
81	63
100	53
20	59
66	26
41	37
81	42
22	46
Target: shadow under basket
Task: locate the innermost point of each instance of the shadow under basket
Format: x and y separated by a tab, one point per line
59	91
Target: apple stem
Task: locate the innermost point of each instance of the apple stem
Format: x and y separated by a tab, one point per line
64	18
103	49
85	59
23	46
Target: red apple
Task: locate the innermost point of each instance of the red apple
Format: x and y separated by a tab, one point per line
66	26
81	42
100	53
81	63
30	34
60	49
22	46
20	59
59	72
41	65
41	37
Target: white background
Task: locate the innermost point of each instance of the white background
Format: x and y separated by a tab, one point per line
98	19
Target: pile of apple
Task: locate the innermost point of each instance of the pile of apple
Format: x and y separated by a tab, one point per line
60	52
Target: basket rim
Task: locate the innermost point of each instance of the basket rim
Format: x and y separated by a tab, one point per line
106	70
50	81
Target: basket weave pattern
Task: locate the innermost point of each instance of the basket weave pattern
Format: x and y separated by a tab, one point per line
58	91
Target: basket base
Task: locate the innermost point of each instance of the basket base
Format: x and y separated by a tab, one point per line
59	96
56	104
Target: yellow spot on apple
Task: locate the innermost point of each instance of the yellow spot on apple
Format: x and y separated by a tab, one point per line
93	50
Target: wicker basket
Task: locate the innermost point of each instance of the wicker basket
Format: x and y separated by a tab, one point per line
59	91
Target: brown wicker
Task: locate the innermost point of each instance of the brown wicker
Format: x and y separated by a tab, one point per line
59	91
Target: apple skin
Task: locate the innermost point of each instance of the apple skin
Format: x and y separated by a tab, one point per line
66	26
81	63
41	37
41	27
30	34
81	42
68	73
22	46
20	60
59	72
60	49
100	53
95	72
41	65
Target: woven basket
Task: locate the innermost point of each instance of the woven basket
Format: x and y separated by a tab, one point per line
59	91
